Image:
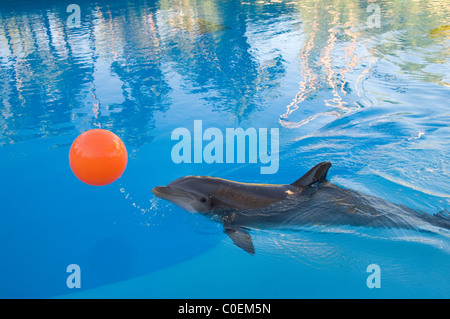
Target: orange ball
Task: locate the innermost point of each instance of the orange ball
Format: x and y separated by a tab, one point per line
98	157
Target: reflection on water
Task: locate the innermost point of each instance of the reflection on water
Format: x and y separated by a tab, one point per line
114	69
340	50
102	74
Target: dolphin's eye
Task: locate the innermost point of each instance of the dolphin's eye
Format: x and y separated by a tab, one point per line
203	199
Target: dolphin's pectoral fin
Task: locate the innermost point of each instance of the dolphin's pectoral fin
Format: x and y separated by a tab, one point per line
240	237
316	174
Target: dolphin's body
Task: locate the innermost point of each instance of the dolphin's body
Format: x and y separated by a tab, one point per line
311	200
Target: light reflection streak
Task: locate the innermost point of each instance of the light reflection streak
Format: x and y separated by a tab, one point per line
335	76
310	79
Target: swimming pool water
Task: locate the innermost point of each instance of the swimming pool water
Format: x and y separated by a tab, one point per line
370	98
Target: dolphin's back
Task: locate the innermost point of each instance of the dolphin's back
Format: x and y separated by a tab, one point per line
328	204
235	195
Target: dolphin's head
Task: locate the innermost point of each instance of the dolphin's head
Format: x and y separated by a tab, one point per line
192	193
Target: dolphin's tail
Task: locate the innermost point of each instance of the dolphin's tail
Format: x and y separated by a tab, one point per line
441	219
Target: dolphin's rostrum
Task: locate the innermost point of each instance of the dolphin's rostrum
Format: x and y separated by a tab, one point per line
311	200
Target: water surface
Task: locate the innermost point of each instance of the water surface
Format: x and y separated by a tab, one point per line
373	101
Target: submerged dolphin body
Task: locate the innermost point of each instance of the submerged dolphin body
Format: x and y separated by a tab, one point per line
311	200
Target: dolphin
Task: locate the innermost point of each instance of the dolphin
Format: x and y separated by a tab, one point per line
310	200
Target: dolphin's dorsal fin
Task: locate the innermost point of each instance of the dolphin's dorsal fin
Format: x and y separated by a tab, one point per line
240	237
316	174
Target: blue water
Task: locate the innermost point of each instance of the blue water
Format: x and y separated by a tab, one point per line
371	100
